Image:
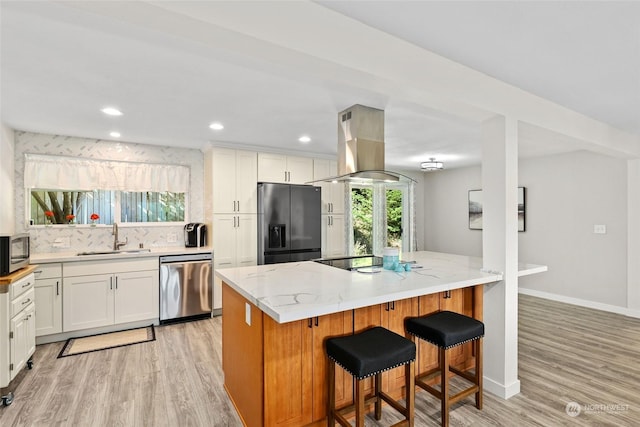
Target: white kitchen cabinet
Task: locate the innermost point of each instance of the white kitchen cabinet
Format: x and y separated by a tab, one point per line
332	192
235	240
48	294
23	338
17	329
284	169
235	244
120	292
232	177
333	236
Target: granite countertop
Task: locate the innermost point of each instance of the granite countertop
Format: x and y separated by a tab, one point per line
72	256
300	290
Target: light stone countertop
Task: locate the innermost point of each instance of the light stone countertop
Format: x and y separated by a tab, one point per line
72	256
300	290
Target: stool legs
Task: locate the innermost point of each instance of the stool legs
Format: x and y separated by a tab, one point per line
479	374
360	400
443	361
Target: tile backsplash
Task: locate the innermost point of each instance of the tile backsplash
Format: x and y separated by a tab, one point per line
83	238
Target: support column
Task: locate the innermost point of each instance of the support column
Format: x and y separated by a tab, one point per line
500	253
633	242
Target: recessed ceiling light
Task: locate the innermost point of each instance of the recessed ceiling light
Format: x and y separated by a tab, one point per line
216	126
111	111
115	134
304	139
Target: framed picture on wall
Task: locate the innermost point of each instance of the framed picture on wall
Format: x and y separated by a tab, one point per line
475	209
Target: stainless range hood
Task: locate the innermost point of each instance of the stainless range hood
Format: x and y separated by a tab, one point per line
361	147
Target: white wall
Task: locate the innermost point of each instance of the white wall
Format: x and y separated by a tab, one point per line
446	226
566	195
7	213
100	238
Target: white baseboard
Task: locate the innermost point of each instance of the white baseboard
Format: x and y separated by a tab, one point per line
500	390
581	302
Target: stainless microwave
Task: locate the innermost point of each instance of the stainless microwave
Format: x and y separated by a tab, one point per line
14	252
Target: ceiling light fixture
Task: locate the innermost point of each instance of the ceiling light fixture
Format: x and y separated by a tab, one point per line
216	126
304	139
111	111
115	134
431	165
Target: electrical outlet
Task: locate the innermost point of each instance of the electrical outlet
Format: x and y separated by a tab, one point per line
247	313
599	229
172	237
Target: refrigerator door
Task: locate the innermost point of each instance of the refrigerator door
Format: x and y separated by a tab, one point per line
306	211
273	219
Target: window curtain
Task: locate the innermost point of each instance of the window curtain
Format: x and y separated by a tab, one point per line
77	174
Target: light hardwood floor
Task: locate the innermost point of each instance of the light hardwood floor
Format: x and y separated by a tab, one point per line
567	354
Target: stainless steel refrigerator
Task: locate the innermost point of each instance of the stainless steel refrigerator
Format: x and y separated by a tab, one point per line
289	223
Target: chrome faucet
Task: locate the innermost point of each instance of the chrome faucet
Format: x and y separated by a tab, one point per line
116	243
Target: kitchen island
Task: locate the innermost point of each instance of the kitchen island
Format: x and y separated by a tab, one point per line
276	318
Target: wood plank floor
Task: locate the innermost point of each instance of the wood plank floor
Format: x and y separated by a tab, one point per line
567	354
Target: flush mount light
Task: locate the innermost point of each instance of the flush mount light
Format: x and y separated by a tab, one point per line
216	126
115	134
111	111
304	139
431	165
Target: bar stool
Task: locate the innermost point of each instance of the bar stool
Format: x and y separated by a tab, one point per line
364	354
447	329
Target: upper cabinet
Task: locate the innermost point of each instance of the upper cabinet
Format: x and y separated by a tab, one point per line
234	178
284	169
332	192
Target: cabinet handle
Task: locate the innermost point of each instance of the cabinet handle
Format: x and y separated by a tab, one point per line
27	301
116	282
111	283
331	205
57	288
387	307
37	272
317	320
393	305
25	285
309	323
447	294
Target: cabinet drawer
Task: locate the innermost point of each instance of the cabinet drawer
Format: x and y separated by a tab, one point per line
48	271
20	303
21	286
85	268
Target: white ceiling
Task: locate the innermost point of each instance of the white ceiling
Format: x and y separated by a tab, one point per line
60	64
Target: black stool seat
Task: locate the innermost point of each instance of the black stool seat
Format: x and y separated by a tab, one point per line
445	329
371	352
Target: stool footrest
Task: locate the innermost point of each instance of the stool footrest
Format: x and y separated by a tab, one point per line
466	375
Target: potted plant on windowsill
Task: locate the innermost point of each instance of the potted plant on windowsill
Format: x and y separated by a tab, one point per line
70	219
94	217
48	218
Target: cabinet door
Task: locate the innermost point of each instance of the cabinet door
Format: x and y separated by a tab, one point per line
272	167
48	306
365	318
87	301
287	372
331	325
136	296
427	353
322	169
300	169
19	329
224	180
393	381
246	181
336	236
337	190
224	240
246	240
30	344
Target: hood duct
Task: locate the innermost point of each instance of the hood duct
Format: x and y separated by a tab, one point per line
361	147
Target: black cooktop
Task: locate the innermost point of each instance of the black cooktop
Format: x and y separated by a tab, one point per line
352	262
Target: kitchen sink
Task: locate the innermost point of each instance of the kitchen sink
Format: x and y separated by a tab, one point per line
121	251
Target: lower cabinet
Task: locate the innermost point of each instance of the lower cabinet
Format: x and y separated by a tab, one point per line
95	300
22	332
48	287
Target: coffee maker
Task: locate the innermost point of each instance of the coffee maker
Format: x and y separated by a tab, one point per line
195	235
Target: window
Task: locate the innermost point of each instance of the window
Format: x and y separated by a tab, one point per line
50	207
380	216
83	191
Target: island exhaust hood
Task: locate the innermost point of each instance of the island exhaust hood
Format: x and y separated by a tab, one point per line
361	147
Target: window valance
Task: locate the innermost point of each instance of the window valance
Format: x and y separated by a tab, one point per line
74	173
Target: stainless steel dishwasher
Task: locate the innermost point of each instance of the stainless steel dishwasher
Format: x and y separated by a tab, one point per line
186	287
